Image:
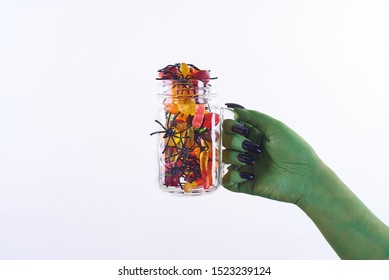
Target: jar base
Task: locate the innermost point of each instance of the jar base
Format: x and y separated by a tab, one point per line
180	192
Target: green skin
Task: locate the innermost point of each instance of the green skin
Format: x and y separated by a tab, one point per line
289	170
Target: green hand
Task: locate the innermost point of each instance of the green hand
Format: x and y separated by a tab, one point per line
287	169
284	167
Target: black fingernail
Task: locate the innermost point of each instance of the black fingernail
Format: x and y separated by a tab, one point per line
240	129
251	147
247	176
246	159
234	105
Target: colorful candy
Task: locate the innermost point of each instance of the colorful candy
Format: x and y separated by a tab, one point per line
198	116
190	135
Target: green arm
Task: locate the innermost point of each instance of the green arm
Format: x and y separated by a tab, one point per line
351	229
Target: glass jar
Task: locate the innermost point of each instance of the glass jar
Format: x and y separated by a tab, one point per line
189	144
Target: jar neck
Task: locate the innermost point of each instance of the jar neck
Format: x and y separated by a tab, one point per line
198	92
195	99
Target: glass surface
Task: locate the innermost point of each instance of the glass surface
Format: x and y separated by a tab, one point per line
189	146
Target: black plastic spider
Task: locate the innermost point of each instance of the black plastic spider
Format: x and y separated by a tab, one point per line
174	74
173	172
187	169
170	131
192	169
183	152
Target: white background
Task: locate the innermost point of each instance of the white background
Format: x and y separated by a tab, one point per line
77	102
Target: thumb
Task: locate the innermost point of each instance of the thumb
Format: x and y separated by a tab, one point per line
259	120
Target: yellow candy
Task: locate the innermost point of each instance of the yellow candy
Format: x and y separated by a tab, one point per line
190	137
189	186
187	108
184	68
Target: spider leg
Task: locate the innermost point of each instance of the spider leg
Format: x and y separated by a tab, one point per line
205	142
157	132
171	166
168	119
186	129
160	124
175	144
163	69
191	65
180	184
179	67
164	149
175	116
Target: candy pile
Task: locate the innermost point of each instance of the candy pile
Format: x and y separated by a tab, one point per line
190	139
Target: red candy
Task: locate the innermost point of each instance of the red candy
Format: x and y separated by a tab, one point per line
202	75
171	181
208	120
199	115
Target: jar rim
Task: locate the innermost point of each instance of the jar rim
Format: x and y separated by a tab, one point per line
192	82
186	96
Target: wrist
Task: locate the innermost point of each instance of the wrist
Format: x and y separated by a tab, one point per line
323	183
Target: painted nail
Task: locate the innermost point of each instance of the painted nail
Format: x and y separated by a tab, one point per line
246	159
240	129
234	105
251	147
247	176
